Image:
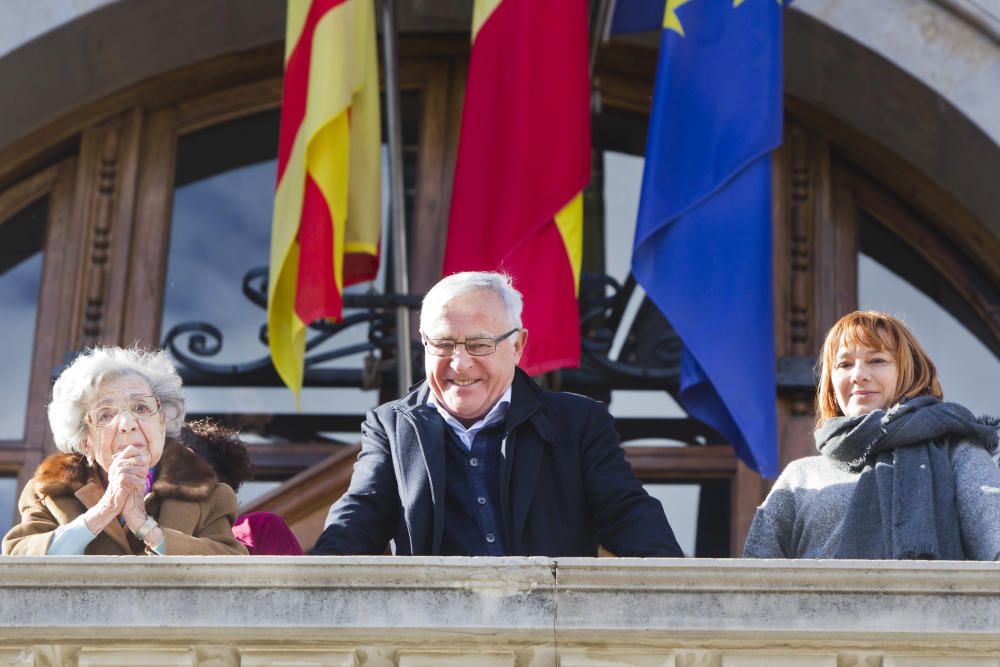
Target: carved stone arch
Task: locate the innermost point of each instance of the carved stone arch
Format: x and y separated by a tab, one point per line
921	79
90	56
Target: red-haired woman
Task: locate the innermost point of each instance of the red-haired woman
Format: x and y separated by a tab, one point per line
901	474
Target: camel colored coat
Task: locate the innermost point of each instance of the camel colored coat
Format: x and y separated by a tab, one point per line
195	511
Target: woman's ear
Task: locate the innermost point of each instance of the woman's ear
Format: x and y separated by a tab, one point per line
85	450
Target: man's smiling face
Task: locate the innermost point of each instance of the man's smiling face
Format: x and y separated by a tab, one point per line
469	386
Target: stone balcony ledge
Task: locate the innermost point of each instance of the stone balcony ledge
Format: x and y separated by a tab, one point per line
526	612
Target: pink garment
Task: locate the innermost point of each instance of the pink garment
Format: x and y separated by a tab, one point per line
266	534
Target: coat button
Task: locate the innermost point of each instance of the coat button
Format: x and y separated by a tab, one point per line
481	500
491	538
473	462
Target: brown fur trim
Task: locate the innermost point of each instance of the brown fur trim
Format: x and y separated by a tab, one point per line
180	474
183	474
62	474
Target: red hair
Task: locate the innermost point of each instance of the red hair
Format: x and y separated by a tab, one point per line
879	331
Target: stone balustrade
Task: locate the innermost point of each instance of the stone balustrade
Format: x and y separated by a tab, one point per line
510	612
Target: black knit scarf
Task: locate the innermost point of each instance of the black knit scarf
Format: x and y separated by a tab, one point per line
903	506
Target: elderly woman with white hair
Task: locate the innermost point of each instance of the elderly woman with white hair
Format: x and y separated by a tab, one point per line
122	484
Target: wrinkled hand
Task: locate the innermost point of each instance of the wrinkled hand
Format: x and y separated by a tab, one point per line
126	482
129	469
133	470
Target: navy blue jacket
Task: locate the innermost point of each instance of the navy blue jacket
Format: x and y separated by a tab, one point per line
565	486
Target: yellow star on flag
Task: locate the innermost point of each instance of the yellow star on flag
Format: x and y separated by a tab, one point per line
670	20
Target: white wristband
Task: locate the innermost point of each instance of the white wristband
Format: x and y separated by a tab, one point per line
146	528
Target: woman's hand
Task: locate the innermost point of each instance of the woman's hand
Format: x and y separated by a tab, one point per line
134	471
129	469
126	478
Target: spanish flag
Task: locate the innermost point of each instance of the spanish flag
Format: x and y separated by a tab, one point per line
523	161
325	233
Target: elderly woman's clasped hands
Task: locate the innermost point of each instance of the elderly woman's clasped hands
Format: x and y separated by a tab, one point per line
124	495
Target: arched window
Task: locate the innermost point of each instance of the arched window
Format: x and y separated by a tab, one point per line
35	273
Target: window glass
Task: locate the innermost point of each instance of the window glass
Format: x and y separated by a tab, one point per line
894	278
8	503
698	513
22	238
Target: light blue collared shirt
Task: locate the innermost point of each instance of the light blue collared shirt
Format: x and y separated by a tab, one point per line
467	435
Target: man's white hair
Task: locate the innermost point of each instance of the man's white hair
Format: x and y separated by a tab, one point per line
468	282
76	390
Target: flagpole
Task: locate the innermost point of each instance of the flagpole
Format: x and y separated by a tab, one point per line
401	281
602	29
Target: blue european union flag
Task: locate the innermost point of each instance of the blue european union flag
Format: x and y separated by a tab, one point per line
702	247
636	15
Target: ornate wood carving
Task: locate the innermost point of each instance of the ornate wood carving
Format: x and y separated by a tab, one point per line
801	208
100	239
800	247
808	274
102	227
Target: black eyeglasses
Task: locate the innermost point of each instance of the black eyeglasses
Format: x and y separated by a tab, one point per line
477	347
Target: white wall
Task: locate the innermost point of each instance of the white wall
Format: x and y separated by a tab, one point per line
23	20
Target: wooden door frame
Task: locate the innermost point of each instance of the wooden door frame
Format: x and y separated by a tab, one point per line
56	182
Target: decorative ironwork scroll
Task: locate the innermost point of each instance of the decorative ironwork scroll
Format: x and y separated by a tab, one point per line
193	344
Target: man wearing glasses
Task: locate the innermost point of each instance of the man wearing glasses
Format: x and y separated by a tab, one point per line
478	460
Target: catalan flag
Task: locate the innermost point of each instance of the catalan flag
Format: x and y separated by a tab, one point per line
325	232
702	247
523	161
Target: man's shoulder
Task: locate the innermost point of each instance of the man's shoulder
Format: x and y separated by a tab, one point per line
526	389
412	400
569	401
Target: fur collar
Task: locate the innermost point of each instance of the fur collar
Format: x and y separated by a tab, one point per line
179	474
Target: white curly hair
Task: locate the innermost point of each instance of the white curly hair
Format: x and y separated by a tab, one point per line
467	282
76	389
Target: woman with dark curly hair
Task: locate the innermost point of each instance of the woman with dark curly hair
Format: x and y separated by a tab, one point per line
901	474
263	533
221	447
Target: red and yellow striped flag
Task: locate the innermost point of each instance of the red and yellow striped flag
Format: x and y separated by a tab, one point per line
325	233
523	161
